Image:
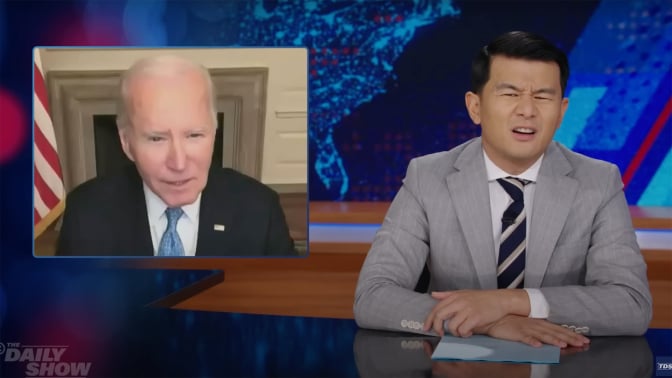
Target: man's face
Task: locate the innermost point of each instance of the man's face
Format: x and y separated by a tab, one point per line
519	109
171	135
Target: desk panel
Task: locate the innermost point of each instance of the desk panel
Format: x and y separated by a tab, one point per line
654	217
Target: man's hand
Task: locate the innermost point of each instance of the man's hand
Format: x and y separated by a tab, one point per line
468	309
533	332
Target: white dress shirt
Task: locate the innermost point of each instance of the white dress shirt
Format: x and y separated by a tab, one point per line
187	225
499	201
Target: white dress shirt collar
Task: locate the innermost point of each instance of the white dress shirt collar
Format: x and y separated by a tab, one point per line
156	207
187	226
494	172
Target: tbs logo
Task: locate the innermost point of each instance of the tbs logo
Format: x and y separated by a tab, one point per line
664	366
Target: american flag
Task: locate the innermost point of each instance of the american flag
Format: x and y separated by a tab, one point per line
48	180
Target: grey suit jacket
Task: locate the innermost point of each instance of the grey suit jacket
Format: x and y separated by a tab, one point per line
582	251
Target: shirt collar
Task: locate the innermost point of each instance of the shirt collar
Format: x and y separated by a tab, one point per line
156	207
494	172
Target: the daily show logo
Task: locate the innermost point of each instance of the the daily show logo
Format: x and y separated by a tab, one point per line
43	360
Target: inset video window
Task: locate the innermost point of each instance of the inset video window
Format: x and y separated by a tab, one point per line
170	152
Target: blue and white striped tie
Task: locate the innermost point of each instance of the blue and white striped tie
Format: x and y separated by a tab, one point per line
512	245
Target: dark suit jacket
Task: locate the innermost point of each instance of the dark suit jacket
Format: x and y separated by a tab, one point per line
107	216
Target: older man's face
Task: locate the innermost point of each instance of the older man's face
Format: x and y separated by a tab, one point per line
171	135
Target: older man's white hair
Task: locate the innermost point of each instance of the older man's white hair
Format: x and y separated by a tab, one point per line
160	66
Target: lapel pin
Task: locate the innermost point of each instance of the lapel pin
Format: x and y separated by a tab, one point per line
220	227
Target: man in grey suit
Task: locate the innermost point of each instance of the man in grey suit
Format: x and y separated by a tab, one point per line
524	239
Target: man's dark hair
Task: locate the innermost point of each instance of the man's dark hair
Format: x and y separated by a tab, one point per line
517	44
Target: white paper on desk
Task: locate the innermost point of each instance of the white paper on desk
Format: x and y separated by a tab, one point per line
485	348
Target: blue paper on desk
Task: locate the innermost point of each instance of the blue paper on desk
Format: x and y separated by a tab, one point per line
485	348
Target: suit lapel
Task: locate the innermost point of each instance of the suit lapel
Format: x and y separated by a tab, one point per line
139	241
553	197
468	188
216	212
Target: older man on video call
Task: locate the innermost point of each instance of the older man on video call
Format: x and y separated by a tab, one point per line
172	202
524	239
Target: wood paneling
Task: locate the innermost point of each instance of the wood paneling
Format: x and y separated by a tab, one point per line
339	247
321	262
322	285
292	293
374	213
662	304
659	265
652	217
295	206
348	212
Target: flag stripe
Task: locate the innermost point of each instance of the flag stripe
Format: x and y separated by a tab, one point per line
46	194
38	61
43	121
41	88
48	176
49	154
48	190
40	208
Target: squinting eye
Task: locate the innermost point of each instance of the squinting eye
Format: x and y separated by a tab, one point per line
542	98
195	135
155	138
511	94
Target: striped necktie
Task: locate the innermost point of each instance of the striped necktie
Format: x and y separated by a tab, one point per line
511	260
171	245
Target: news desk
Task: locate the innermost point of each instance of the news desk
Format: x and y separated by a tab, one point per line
293	318
162	342
244	345
145	329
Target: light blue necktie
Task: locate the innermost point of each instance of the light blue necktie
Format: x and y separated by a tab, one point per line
171	245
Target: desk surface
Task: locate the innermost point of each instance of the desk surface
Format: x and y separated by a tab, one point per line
102	318
165	342
321	285
380	354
